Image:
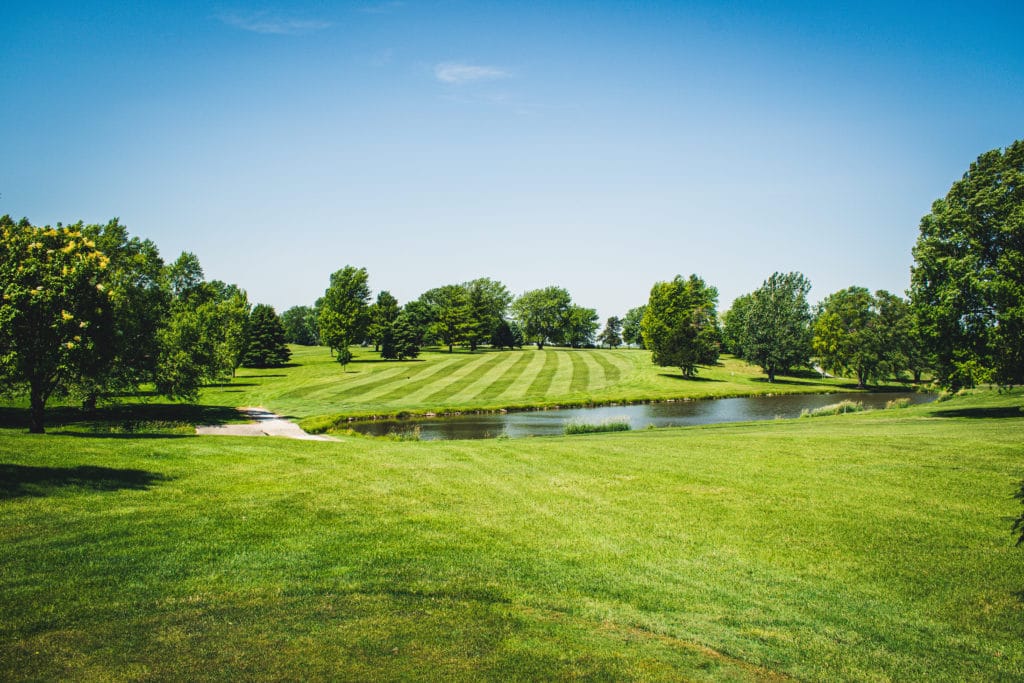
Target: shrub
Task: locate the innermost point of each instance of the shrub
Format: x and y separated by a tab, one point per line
840	408
897	403
615	424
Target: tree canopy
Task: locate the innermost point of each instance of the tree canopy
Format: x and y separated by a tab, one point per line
264	339
967	282
542	314
344	311
772	326
680	325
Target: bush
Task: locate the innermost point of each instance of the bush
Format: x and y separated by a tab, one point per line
840	408
897	403
615	424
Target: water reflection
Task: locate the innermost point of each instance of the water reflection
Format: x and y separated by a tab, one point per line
675	414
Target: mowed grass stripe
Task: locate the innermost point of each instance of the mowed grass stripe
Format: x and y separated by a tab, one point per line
521	386
612	372
580	372
439	385
499	379
542	382
402	390
382	380
597	376
562	381
449	393
342	384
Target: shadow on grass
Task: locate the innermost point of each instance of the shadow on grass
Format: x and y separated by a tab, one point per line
696	378
221	385
17	481
1002	412
129	419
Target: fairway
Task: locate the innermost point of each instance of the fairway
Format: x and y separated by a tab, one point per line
315	388
873	546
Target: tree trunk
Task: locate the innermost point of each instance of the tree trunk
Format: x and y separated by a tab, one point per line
450	348
38	407
89	403
861	381
917	376
771	375
540	346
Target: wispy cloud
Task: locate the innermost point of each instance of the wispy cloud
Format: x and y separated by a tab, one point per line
459	74
273	24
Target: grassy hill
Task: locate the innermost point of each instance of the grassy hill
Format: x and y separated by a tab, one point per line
316	390
859	547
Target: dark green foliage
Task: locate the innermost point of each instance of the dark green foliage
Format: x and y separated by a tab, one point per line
967	283
863	334
776	324
611	335
1018	525
488	303
264	339
450	314
400	340
734	323
631	333
383	312
580	326
300	326
543	314
680	325
507	335
344	311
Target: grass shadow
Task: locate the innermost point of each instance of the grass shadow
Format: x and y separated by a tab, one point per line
689	379
1001	412
18	481
137	418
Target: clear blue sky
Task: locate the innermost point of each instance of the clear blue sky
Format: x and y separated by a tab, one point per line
597	146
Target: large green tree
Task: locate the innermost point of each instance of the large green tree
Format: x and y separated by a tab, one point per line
680	325
450	314
776	324
860	333
383	312
300	325
344	311
488	304
967	282
542	314
581	326
631	333
734	324
400	340
264	339
56	316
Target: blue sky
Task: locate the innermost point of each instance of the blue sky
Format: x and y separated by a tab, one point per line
598	146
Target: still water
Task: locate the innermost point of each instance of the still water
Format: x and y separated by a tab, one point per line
677	414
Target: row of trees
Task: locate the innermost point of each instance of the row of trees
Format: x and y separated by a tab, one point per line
89	311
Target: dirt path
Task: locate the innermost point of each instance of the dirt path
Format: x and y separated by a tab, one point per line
264	423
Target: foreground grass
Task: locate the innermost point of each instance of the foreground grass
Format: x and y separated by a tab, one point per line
318	392
869	546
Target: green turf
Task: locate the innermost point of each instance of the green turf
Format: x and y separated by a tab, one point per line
873	546
316	390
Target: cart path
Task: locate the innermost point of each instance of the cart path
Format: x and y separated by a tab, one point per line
264	423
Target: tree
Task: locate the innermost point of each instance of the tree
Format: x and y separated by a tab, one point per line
734	324
776	332
680	325
967	282
139	305
853	333
264	339
300	326
450	314
507	334
611	335
345	312
488	303
581	326
56	317
542	314
631	333
383	312
400	340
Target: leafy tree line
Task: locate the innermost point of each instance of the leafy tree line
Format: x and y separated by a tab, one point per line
88	311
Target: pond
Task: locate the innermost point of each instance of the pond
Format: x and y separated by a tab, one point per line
674	414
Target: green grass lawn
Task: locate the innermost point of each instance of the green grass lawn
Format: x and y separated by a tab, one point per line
317	391
872	546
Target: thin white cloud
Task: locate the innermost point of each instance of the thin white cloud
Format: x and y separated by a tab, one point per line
271	24
460	74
